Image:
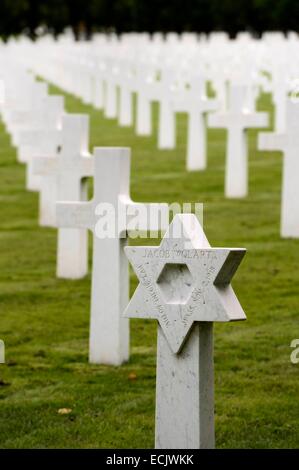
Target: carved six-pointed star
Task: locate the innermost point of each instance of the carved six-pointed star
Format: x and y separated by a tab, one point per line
184	280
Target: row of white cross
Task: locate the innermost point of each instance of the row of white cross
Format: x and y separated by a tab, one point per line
98	83
107	74
136	64
58	163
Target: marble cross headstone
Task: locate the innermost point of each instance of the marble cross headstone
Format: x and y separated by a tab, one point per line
98	96
185	285
23	119
167	127
42	139
125	95
237	120
288	143
47	145
69	169
195	102
144	84
109	331
111	95
280	88
47	117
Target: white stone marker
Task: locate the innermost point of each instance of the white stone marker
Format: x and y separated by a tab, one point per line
98	98
280	89
288	143
125	96
167	120
109	331
237	120
111	94
48	143
70	167
23	119
47	117
195	102
144	86
41	138
185	285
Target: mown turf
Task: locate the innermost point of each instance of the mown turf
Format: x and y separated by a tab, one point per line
44	321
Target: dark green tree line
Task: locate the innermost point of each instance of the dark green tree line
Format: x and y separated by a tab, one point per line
86	16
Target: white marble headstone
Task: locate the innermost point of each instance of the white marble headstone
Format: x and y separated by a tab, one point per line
109	331
237	120
185	285
70	168
288	143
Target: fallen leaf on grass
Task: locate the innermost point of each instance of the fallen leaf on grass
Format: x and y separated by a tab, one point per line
132	376
64	411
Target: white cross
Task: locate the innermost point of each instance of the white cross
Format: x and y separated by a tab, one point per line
145	87
24	118
98	96
109	332
47	144
111	80
288	143
167	124
48	117
185	285
195	102
237	120
126	81
68	169
279	87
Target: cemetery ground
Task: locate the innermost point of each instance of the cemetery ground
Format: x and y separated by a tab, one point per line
45	321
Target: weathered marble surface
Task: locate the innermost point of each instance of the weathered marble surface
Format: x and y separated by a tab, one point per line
288	143
237	120
109	330
67	169
185	285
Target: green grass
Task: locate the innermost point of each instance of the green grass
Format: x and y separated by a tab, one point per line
44	321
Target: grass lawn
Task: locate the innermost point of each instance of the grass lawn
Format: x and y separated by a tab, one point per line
45	321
